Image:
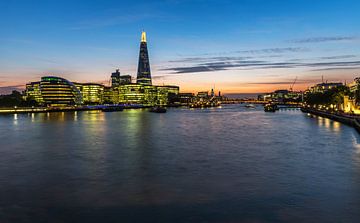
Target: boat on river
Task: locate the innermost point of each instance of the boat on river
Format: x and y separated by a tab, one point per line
250	106
270	108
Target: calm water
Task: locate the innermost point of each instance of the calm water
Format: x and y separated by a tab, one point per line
214	165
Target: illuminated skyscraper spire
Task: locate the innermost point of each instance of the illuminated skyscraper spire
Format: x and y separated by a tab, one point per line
144	73
143	37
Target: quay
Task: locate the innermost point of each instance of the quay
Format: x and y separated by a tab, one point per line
19	110
351	120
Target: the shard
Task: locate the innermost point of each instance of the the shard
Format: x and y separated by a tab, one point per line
143	73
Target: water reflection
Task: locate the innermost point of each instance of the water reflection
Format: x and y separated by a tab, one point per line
15	119
211	165
326	123
356	143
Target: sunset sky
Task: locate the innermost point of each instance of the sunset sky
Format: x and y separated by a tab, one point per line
239	46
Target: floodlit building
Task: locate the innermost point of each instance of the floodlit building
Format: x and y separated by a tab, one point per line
92	93
144	73
167	94
324	87
131	94
33	92
57	91
110	95
186	98
203	94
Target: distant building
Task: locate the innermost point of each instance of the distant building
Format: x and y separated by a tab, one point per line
143	73
203	94
354	86
281	96
125	79
186	98
118	79
325	87
212	92
115	78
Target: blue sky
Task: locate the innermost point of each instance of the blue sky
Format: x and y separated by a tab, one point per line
238	46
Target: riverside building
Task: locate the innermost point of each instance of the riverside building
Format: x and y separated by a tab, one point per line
33	92
92	93
56	91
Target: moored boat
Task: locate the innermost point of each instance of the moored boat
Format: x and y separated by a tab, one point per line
250	106
270	108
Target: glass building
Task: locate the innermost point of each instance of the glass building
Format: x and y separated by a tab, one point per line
92	93
131	94
115	78
125	79
57	91
33	92
165	94
143	73
111	95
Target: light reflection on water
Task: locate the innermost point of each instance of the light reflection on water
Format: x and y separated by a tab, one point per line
200	165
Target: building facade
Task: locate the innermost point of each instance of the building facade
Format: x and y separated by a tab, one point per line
92	93
324	87
115	78
57	91
144	72
33	92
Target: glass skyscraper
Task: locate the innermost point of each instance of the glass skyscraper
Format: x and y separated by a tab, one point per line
143	74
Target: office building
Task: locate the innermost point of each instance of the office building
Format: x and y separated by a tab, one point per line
92	93
57	91
33	92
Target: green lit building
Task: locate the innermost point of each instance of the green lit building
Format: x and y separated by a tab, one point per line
57	91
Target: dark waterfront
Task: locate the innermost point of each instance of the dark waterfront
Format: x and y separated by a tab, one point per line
229	164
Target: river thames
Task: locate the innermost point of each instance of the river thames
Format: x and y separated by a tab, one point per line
229	164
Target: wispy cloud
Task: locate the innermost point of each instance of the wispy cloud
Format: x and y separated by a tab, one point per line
256	65
338	57
325	39
265	51
338	68
274	50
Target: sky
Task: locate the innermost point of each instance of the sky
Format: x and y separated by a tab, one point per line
236	46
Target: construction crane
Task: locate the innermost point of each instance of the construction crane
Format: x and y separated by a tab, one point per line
292	86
